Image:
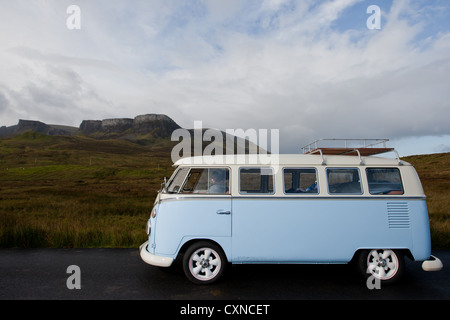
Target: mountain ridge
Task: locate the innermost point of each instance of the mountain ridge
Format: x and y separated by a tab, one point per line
143	130
156	125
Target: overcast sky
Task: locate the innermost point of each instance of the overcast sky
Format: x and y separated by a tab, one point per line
312	69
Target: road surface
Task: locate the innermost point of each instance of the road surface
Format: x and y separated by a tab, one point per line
120	274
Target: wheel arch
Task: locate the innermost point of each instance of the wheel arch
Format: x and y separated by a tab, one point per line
188	242
405	251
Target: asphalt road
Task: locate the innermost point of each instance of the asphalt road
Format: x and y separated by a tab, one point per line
119	274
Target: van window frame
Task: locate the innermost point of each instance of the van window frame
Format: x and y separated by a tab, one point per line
385	168
177	171
301	193
345	193
186	179
257	193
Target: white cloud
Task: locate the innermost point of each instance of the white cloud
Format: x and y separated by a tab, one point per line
232	64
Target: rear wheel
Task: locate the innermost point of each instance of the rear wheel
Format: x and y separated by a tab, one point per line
204	262
384	264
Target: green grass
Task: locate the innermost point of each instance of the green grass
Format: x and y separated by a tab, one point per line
434	172
77	191
69	192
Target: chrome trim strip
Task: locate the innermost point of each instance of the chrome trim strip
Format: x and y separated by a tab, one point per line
317	198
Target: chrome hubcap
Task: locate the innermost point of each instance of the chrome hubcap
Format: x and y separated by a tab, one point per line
382	264
204	264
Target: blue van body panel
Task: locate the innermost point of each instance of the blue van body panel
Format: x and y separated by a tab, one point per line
323	231
421	237
180	220
292	230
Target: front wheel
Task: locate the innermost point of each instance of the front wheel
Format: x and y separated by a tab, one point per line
384	264
204	263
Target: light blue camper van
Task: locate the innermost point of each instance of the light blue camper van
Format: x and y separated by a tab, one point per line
313	208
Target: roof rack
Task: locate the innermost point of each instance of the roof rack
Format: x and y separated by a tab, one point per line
360	147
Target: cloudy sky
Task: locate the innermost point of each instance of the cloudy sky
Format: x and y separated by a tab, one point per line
312	69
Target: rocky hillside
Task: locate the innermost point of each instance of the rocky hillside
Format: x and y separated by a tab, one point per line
35	126
155	125
150	125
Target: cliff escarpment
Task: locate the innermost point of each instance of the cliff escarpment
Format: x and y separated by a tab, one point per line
142	126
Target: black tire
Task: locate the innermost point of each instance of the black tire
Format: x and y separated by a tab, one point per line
204	262
385	265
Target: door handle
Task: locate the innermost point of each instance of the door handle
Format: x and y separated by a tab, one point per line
223	212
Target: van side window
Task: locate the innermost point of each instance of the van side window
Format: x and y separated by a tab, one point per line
176	182
344	181
300	180
384	181
256	180
207	180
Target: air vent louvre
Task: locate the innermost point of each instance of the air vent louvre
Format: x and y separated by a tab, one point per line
398	215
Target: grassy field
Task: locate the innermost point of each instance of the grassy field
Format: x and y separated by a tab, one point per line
434	172
81	192
76	191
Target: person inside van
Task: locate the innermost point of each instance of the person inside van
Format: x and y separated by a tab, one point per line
218	181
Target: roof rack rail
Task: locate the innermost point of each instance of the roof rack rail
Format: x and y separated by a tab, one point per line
362	147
